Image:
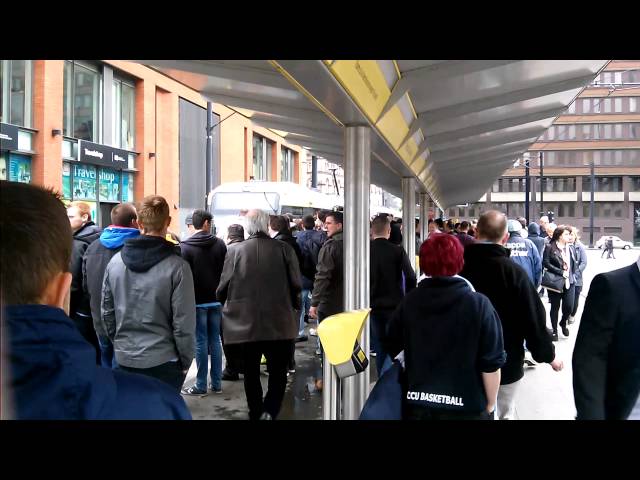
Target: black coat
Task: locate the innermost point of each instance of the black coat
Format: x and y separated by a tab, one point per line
450	336
205	255
328	294
84	237
291	241
388	262
606	357
492	272
552	260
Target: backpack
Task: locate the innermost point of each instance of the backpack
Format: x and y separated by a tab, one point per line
310	252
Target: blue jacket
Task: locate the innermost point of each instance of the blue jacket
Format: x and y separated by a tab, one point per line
525	253
54	375
581	261
302	238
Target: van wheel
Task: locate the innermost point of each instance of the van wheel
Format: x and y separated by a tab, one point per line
626	247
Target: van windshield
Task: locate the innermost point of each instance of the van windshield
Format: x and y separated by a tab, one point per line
230	203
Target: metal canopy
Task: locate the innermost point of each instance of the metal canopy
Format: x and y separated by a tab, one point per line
454	125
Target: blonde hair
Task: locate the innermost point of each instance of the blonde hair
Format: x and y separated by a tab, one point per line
83	208
153	213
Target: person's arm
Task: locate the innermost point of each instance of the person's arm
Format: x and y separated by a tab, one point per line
227	272
491	382
537	265
393	339
591	350
534	321
183	307
409	273
107	312
583	259
295	277
324	274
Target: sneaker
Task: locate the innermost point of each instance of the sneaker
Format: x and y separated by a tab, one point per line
372	353
302	338
318	351
554	336
215	390
565	331
291	370
193	390
570	320
528	359
266	416
313	332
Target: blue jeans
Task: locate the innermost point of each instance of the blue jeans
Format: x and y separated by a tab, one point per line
107	357
378	323
208	339
306	304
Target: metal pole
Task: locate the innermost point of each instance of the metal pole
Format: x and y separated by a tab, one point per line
542	183
408	217
355	389
527	187
592	205
209	154
330	393
314	171
424	218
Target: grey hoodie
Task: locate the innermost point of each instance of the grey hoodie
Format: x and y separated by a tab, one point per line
148	304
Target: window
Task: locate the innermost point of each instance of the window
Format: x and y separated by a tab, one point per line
261	158
124	116
287	165
633	104
617	105
566	209
612	230
15	92
586	105
557	184
603	184
607	105
82	98
572	108
635	184
84	182
15	167
472	211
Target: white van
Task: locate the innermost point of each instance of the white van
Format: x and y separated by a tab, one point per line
228	200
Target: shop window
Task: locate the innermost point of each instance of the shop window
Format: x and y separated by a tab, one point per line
15	167
287	165
82	98
109	185
127	187
15	92
84	182
123	119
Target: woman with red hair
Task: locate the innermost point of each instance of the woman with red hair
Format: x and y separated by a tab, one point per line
451	337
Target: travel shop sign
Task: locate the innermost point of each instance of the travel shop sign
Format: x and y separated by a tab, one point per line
94	153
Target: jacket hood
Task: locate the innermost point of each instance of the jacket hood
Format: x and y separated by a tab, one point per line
200	239
534	229
444	290
88	233
143	252
114	237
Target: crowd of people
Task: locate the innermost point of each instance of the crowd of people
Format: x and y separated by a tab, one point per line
105	324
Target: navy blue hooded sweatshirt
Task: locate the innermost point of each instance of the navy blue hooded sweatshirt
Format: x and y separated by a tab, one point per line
95	262
53	375
450	335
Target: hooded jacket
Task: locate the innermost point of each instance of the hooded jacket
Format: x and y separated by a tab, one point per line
53	375
94	263
534	236
148	304
490	270
291	241
450	336
525	253
205	254
84	237
327	287
303	239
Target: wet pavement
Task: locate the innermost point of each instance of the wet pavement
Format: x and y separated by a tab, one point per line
544	394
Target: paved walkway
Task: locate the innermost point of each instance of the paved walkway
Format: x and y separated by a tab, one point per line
544	394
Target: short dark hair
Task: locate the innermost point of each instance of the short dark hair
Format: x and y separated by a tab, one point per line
199	217
439	223
450	224
379	224
322	214
279	223
123	214
492	225
235	231
337	216
557	233
36	241
308	222
464	225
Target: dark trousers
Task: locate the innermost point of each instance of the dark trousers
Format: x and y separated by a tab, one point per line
85	326
379	320
233	356
169	372
277	353
576	300
566	297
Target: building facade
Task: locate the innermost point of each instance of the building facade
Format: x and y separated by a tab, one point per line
601	127
110	131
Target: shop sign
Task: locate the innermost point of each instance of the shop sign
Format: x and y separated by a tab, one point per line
8	137
96	154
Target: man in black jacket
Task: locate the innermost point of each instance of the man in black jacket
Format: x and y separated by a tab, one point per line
487	265
606	357
205	255
124	224
84	233
388	263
